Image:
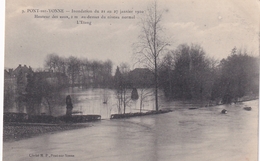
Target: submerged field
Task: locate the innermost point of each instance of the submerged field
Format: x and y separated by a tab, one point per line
199	135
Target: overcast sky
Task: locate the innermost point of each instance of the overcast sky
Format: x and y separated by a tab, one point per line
217	26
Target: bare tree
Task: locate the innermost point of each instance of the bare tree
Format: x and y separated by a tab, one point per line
125	69
107	73
52	61
144	94
62	65
73	69
151	44
55	63
83	71
122	85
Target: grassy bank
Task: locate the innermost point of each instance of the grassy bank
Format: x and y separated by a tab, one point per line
18	131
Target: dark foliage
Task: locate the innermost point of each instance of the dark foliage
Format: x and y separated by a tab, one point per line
237	76
188	74
82	72
43	85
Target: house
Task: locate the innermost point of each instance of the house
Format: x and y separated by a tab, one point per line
16	80
21	73
10	82
141	77
22	69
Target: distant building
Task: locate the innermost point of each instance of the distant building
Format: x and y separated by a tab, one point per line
16	80
22	69
21	73
22	81
141	77
10	82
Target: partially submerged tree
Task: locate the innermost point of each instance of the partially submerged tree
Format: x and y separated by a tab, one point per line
151	44
166	74
187	73
122	85
118	82
239	76
145	93
44	87
125	84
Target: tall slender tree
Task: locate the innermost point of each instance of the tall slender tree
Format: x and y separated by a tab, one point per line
151	44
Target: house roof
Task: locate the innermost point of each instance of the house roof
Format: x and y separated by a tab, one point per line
23	69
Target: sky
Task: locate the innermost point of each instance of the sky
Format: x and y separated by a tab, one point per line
217	26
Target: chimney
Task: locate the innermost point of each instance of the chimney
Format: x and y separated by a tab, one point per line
10	71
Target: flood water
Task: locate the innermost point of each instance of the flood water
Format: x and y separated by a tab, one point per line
102	102
97	101
202	134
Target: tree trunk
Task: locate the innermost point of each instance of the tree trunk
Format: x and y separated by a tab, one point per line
49	105
155	59
141	103
170	83
156	85
124	101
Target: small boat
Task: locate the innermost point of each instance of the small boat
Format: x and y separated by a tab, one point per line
224	111
247	108
192	108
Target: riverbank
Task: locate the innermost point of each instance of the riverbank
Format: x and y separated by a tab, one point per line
18	131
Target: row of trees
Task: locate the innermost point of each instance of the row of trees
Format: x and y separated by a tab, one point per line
81	71
42	87
184	73
187	73
151	44
236	76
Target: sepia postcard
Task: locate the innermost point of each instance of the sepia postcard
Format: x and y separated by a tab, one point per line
119	80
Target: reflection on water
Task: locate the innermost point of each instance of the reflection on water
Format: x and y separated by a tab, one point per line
89	101
101	102
199	135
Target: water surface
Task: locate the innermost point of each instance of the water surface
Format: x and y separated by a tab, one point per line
202	134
